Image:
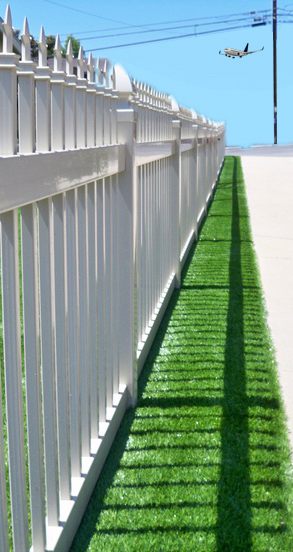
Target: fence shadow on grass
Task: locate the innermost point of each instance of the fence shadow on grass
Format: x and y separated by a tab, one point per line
186	470
234	482
97	502
96	505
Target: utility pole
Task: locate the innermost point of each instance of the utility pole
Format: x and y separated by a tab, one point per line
275	66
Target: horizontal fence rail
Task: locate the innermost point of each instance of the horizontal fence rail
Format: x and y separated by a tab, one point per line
103	188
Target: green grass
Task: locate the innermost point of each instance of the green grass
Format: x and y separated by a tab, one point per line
203	461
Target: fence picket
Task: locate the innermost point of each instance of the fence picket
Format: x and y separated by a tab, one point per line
48	360
8	90
114	286
4	542
101	301
92	310
61	358
32	372
108	295
13	377
70	101
90	105
72	254
99	117
83	275
139	252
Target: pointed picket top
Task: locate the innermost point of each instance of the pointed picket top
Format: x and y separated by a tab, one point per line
140	90
134	87
80	64
8	18
102	64
80	53
69	49
42	49
25	42
160	100
150	95
135	83
57	55
90	68
145	93
8	35
69	58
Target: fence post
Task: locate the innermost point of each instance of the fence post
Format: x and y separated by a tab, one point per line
176	214
126	237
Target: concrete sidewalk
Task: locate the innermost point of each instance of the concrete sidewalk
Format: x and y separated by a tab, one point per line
269	187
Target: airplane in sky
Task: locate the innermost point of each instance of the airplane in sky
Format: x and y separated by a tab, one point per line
231	52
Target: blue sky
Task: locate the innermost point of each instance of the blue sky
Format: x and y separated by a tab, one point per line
237	91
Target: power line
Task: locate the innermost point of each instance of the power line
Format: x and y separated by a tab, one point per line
194	19
84	12
166	38
166	29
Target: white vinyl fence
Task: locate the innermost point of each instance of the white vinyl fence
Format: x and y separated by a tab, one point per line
102	190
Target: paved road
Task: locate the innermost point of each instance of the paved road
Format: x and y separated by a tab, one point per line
269	185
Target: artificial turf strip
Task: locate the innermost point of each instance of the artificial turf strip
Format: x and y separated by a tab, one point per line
203	461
